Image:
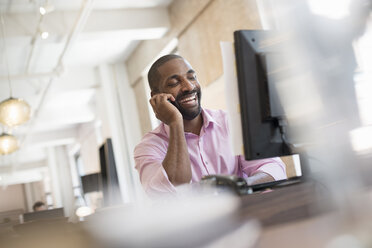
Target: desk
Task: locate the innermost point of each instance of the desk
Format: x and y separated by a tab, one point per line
302	215
346	227
285	204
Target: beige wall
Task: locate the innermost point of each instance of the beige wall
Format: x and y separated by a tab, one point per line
200	43
217	88
12	197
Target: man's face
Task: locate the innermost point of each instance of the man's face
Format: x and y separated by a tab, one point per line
179	79
40	208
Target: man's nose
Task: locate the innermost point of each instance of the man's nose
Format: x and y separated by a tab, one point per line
187	85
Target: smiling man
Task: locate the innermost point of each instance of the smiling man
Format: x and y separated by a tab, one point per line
191	142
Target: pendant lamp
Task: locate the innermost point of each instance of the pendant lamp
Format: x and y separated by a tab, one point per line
8	144
13	111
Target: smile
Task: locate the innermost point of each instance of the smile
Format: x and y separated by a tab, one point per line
188	99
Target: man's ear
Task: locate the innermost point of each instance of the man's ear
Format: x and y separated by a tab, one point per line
154	92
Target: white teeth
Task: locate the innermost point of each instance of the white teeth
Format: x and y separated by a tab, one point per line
188	99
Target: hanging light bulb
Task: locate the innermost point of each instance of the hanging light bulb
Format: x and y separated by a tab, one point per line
14	111
44	35
8	144
45	9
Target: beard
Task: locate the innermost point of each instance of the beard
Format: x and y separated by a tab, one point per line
189	114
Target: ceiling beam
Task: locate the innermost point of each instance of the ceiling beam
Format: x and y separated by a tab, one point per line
10	168
24	176
59	23
53	138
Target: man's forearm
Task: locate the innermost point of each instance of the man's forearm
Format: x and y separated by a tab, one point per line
259	177
177	161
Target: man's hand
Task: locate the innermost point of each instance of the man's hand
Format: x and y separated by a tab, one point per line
259	177
177	160
164	110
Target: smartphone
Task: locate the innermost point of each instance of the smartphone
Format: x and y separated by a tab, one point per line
227	182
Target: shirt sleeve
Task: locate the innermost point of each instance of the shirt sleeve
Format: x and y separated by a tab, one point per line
272	166
148	162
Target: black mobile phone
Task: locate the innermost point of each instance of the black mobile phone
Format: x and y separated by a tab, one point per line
173	102
227	182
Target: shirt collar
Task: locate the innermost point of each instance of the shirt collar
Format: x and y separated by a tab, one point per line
207	120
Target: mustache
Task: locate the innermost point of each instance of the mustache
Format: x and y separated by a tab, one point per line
186	93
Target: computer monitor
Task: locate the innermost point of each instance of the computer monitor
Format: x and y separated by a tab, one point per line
109	175
91	182
44	214
263	119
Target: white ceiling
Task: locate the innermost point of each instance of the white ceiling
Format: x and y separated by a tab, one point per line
24	6
82	35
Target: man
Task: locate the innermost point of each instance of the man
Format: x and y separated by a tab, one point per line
191	142
39	206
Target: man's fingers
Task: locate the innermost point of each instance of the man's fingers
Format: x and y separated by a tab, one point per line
164	97
169	97
156	99
163	109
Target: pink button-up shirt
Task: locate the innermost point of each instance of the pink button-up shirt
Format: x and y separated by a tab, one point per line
210	153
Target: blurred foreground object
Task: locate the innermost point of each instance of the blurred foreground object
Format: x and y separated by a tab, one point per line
185	221
317	90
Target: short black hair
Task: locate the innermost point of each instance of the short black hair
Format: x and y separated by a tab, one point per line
37	205
153	76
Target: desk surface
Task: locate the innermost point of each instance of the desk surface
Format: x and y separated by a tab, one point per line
349	226
285	204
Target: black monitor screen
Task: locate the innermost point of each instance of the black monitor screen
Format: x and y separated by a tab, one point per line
90	183
261	114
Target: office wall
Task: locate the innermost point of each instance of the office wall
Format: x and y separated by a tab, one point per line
217	88
200	42
118	99
12	197
141	100
89	148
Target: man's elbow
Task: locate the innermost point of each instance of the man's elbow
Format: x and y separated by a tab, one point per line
176	181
